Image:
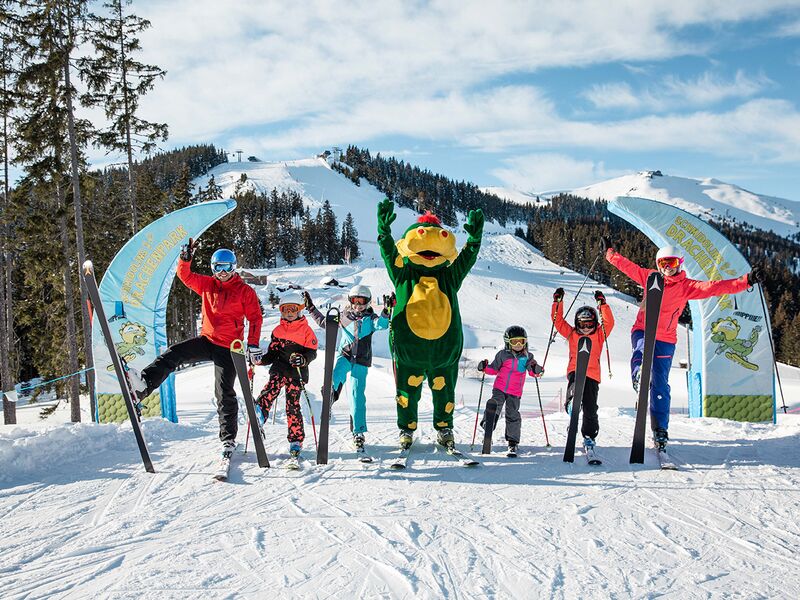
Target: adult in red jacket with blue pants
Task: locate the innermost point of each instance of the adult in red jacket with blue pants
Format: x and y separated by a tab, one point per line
227	302
678	290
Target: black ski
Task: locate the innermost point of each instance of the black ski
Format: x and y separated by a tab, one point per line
581	365
488	425
240	362
654	291
120	367
331	334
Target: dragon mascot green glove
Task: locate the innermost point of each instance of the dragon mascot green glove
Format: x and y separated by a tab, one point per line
427	271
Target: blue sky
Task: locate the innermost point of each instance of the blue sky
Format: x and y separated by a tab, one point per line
530	95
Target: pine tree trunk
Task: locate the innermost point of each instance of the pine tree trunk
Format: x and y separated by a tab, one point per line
69	300
6	300
86	319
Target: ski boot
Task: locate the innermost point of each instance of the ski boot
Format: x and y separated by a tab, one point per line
228	446
660	438
512	450
358	441
588	442
294	449
406	438
138	386
445	438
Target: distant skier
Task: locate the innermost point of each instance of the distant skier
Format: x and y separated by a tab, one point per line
354	355
292	346
227	302
586	324
678	290
510	365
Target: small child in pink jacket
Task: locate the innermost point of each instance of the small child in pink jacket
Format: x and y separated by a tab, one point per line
511	365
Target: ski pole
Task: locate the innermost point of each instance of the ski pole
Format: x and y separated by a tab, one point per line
308	402
551	339
772	345
605	337
250	375
541	410
478	412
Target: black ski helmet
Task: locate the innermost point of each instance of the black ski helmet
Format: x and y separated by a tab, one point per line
584	315
515	331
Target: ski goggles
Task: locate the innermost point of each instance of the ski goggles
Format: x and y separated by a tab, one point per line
290	308
669	262
223	267
359	300
518	341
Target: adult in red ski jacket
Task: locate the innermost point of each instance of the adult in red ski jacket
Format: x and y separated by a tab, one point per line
678	290
227	302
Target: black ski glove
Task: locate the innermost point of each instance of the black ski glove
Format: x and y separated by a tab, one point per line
483	364
600	297
307	300
187	250
755	276
389	300
297	360
605	243
558	295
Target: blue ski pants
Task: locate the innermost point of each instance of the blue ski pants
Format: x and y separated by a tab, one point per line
358	385
659	378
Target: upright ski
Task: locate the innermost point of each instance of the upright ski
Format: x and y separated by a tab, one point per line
652	298
581	365
239	361
488	425
120	367
331	334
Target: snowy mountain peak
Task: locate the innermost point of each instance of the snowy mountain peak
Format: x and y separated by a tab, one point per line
708	198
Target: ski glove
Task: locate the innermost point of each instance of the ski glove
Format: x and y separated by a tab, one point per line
254	354
600	297
535	369
386	216
390	300
474	225
297	360
483	364
605	243
558	295
755	276
187	250
308	301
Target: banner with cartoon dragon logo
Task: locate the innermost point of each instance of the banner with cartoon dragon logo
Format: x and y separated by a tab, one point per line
730	374
135	290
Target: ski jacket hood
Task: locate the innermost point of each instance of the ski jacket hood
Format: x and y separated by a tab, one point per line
225	306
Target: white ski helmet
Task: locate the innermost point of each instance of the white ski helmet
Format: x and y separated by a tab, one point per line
291	297
359	291
669	252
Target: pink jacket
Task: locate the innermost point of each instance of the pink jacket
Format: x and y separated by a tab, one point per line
511	370
678	290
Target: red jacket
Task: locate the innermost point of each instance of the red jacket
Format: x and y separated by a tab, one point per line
289	337
225	306
678	290
598	338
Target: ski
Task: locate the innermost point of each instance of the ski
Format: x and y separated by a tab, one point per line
581	365
120	366
240	363
401	462
591	456
488	425
511	453
331	334
652	299
223	468
465	459
363	456
292	463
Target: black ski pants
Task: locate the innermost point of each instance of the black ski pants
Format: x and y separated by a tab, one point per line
590	426
196	350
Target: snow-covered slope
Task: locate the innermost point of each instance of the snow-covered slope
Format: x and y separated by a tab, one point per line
706	198
81	519
513	195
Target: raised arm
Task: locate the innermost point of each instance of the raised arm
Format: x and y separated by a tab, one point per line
469	253
386	217
630	268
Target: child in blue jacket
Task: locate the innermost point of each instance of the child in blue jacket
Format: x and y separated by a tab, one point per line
354	354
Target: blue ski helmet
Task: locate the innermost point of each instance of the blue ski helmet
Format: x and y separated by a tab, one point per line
223	255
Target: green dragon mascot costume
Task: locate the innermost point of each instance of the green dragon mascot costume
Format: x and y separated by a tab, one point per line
427	271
